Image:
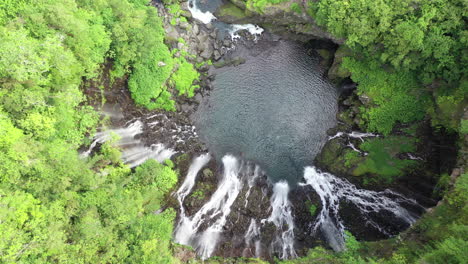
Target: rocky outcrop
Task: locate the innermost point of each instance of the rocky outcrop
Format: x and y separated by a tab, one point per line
283	20
196	41
336	73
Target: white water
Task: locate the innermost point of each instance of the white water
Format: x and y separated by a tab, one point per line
354	134
215	211
208	17
281	217
253	236
332	189
251	181
252	29
125	134
189	181
134	152
204	17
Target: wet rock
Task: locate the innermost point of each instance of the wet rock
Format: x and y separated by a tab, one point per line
336	73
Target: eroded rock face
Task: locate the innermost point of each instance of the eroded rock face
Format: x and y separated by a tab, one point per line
280	19
249	230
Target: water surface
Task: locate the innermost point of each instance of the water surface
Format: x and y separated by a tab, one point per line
274	109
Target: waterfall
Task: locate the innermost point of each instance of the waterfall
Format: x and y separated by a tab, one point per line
253	235
208	17
205	17
252	29
214	212
251	181
332	190
281	217
125	135
134	152
189	181
353	134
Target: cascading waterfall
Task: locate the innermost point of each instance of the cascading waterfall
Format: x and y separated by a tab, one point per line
207	17
252	29
125	134
332	190
354	134
189	181
215	211
134	152
251	181
253	236
281	217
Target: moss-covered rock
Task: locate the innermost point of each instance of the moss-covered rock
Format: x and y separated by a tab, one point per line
337	73
331	158
286	19
231	13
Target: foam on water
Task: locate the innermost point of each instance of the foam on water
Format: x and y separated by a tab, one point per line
205	17
134	152
332	190
214	212
281	216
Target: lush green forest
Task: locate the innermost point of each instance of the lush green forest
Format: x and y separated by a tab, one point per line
409	56
54	206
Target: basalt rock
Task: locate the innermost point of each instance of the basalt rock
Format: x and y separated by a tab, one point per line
280	19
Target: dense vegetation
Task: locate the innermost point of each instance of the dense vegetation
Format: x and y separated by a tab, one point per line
409	59
55	206
408	56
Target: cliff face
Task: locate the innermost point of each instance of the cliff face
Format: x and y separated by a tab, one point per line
289	18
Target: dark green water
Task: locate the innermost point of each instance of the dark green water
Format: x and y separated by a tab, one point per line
274	109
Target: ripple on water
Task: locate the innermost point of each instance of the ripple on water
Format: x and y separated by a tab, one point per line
274	109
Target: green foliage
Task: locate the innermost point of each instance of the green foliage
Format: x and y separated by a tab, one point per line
351	157
259	5
459	195
232	10
184	77
312	207
54	206
463	127
428	36
442	185
382	161
448	108
450	250
150	75
295	7
403	46
351	244
394	95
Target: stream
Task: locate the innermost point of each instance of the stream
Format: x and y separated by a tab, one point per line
263	123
